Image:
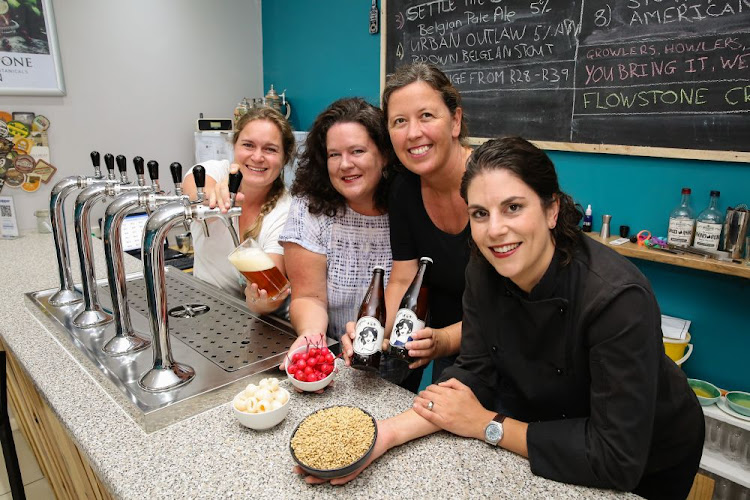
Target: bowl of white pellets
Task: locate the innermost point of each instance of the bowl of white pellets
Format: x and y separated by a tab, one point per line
261	406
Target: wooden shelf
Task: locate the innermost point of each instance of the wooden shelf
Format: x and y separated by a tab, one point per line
720	465
684	260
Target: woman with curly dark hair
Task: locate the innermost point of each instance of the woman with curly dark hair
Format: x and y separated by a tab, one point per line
561	357
337	229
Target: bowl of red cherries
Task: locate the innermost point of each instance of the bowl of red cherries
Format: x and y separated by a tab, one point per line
311	367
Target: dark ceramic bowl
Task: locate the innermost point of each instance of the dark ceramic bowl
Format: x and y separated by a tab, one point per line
343	471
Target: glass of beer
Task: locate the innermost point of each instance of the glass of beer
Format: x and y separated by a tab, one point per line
257	267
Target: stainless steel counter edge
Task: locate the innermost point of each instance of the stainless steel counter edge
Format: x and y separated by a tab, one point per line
210	455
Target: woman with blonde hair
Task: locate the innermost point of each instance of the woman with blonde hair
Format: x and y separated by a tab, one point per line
263	144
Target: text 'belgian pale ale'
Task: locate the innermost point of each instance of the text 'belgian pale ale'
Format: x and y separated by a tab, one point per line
369	332
258	268
411	314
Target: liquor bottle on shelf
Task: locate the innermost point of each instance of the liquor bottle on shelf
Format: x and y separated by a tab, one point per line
370	328
411	314
708	225
587	220
681	222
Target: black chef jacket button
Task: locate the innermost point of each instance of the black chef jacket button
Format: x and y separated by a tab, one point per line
559	371
563	415
494	349
562	310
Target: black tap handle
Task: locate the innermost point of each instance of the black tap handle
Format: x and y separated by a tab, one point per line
234	182
176	170
96	159
138	164
153	169
109	161
199	174
122	163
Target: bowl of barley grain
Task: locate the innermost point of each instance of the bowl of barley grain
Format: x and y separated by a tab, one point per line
334	442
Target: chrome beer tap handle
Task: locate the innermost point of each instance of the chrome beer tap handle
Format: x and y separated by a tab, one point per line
138	165
122	166
199	175
109	162
176	170
96	160
153	173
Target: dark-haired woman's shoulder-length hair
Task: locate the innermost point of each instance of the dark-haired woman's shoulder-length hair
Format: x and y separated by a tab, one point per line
311	179
535	169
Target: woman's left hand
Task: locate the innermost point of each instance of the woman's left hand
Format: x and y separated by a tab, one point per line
258	301
454	409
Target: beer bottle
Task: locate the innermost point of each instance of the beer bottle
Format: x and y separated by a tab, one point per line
411	314
369	332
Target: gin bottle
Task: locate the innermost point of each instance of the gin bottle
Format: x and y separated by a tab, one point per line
708	225
681	222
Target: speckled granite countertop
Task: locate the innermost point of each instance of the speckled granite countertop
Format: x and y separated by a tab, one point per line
211	455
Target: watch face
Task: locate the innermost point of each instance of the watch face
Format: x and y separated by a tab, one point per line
493	432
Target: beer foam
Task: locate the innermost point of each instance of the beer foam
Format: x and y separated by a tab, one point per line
251	260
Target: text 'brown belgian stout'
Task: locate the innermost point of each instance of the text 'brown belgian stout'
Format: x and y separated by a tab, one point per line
411	313
370	329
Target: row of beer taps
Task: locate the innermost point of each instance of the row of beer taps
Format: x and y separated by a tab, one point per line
165	212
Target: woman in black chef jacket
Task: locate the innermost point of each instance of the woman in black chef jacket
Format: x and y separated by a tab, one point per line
561	356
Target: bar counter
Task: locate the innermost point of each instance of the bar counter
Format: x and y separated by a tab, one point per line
211	455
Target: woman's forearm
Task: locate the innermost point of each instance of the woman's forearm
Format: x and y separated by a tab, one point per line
308	315
449	342
406	427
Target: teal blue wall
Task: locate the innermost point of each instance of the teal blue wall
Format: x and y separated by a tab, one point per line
321	50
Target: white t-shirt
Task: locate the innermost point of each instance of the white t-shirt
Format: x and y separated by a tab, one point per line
353	244
210	259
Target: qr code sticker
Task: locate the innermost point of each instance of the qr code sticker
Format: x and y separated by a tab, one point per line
5	211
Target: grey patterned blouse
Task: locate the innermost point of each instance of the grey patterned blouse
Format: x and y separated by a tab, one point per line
353	244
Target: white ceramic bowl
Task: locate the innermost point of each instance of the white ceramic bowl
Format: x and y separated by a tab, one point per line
309	386
264	420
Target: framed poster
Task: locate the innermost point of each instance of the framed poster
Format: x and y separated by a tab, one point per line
29	53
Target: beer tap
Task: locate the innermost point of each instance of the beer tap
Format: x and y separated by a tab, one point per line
67	294
166	373
126	340
92	315
176	169
138	165
153	173
122	166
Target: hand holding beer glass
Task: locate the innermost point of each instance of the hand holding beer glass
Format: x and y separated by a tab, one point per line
257	267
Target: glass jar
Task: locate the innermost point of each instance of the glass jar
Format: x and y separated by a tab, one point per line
714	434
43	224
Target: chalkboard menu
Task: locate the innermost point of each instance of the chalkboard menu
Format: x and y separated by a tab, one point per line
644	73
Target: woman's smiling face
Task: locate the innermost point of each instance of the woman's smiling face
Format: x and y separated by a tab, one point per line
510	226
355	165
259	152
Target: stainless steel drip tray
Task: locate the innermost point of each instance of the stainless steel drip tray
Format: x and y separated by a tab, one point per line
215	334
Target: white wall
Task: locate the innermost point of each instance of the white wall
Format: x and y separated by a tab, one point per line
137	75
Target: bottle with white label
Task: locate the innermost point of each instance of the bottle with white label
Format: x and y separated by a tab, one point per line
681	222
708	225
370	328
411	313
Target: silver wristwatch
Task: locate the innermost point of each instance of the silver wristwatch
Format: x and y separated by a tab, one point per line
493	433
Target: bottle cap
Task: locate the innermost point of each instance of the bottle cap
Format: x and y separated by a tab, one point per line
686	191
425	259
715	193
375	268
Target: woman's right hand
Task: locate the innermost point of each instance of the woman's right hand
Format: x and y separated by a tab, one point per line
218	196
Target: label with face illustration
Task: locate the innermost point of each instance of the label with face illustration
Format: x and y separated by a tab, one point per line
369	336
404	325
